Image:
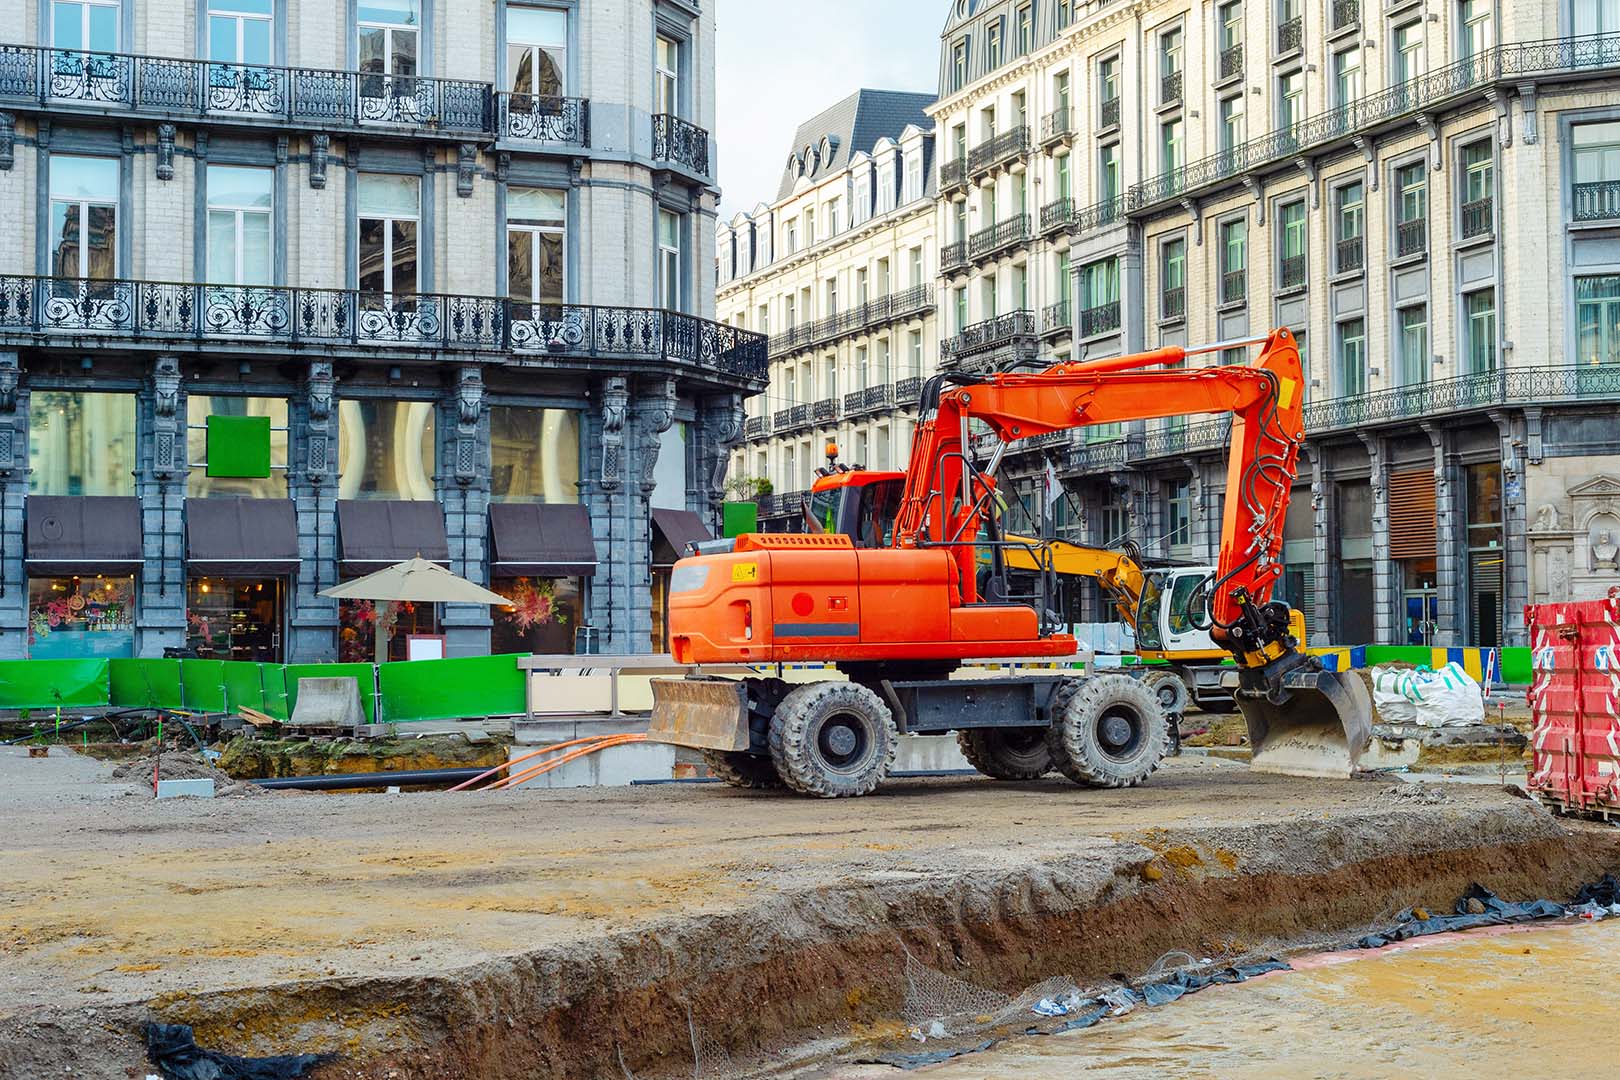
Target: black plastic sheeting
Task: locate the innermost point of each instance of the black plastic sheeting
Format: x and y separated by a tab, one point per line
1497	912
175	1052
1605	891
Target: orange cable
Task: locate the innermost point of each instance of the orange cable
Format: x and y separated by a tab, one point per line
525	757
530	774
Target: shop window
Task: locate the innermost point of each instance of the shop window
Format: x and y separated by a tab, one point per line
81	443
74	617
199	407
534	455
543	617
357	628
235	618
385	450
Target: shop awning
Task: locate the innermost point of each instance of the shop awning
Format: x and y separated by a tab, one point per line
541	540
373	534
83	535
241	537
672	531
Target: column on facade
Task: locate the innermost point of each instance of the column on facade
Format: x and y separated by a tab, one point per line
1450	545
1386	590
312	474
160	485
719	435
1512	434
1325	549
13	500
463	482
655	403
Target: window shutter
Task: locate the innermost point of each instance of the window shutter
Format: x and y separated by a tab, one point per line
1412	523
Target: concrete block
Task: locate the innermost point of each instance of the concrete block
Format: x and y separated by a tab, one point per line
618	766
182	789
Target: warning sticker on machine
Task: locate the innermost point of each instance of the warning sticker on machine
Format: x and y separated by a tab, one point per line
745	571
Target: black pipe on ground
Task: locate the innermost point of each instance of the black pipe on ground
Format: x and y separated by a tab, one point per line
409	778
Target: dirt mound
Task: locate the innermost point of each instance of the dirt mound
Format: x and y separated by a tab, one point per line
183	765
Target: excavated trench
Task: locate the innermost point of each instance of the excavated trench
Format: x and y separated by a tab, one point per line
823	968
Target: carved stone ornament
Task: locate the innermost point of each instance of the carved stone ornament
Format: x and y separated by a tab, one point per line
659	417
320	388
615	407
166	387
320	149
165	152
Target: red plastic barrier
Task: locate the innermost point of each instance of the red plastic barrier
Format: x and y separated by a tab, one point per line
1575	704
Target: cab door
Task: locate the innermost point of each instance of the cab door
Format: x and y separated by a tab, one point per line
1180	626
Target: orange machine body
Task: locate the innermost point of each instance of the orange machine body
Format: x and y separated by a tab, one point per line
784	598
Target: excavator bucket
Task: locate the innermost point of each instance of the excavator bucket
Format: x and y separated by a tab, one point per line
1303	719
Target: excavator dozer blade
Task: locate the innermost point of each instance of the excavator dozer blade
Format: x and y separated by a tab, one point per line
1303	719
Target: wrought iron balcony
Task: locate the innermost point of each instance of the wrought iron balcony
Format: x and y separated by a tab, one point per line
531	118
952	175
174	313
1056	215
800	417
680	142
953	256
1501	386
170	88
1291	274
1099	319
1056	319
912	301
990	334
1108	113
1411	238
1058	125
1173	303
908	392
1477	218
1170	88
756	427
1234	286
1100	215
1597	201
1346	13
1231	62
1003	234
1436	89
870	400
1350	254
825	411
1010	144
1174	441
781	419
1291	36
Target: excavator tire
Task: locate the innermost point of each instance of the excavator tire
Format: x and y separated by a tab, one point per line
1112	734
1169	688
742	770
833	740
1007	753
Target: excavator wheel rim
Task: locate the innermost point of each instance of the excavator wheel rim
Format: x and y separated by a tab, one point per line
806	736
1076	738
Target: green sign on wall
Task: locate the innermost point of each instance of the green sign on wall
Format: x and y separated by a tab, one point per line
739	517
239	446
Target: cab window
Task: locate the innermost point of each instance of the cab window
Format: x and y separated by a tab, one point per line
1147	612
1182	595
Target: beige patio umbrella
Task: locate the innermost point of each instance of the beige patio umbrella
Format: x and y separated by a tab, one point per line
416	581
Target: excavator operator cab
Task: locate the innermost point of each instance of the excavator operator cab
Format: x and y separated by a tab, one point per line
859	503
1173	612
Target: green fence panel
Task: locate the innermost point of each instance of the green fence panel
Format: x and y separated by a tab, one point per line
1516	667
202	685
147	684
273	677
50	684
471	686
244	685
364	674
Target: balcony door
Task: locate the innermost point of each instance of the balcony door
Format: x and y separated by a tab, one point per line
84	34
667	76
389	39
388	258
240	53
536	250
84	217
536	54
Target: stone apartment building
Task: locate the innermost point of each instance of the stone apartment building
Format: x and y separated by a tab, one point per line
290	290
1426	191
840	272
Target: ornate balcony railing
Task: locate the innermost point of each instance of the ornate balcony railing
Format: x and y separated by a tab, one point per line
781	419
910	301
1108	113
1350	254
1170	88
1597	201
1411	237
1477	218
1003	234
1234	286
824	411
953	175
531	118
1100	319
1057	125
800	417
174	312
908	391
170	87
990	334
871	399
1056	318
1173	303
1184	438
1291	274
680	142
1346	13
755	427
1100	215
875	312
1056	215
1231	62
1502	386
1291	36
1503	63
953	255
1012	143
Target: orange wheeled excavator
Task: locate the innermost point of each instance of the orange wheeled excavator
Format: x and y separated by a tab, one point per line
898	620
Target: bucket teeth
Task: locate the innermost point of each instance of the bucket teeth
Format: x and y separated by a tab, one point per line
1305	720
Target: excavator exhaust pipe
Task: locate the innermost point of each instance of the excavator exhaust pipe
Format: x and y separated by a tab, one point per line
1303	719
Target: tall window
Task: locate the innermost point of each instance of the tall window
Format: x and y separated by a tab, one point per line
1597	319
1408	52
669	260
84	216
915	258
1108	81
85	25
1291	237
1479	186
385	449
1596	150
1475	21
1170	62
1231	32
1062	182
1100	284
988	299
390	208
1479	308
1020	110
239	31
834	216
1065	13
1026	29
667	76
241	209
536	231
959	64
81	443
1234	261
1060	92
959	217
536	51
992	44
1349	214
1173	275
914	177
1232	131
388	32
199	485
1596	16
1414	344
1290	99
1108	172
1352	357
1411	209
790	236
1347	75
1171	157
914	353
961	306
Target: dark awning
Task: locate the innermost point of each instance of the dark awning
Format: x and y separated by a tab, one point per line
83	534
373	534
241	537
541	540
672	531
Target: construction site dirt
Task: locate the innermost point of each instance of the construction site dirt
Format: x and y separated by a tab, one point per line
601	932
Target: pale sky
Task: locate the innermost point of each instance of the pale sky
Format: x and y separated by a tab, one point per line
781	62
